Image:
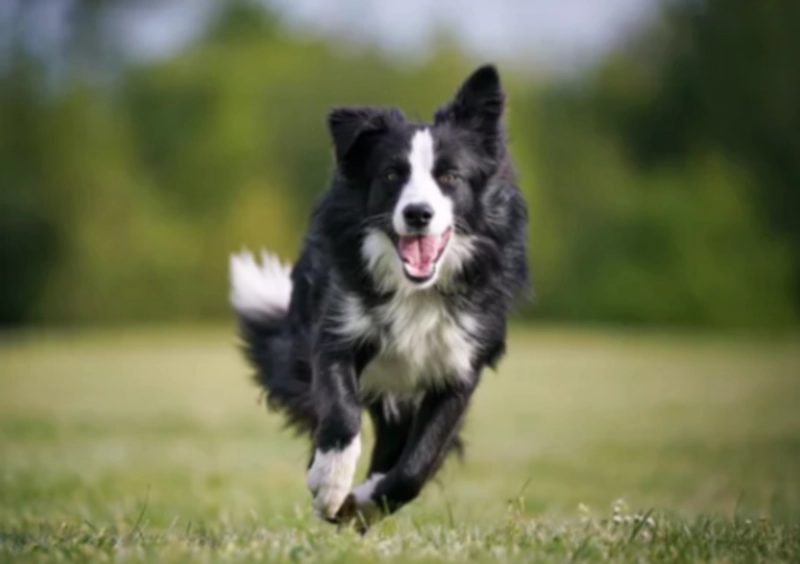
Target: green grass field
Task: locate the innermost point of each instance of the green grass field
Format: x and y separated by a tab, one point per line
153	447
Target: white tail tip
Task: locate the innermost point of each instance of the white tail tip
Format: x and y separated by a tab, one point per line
260	290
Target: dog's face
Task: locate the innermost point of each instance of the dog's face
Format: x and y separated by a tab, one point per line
418	184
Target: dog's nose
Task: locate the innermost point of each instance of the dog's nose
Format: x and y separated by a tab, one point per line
417	216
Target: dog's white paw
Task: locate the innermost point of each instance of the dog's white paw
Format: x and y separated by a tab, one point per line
331	476
362	493
359	508
365	509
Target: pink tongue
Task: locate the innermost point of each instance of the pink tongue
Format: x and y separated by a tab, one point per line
419	252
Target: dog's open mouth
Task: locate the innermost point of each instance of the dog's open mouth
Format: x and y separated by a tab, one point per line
421	253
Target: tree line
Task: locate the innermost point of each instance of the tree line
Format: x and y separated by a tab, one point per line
662	182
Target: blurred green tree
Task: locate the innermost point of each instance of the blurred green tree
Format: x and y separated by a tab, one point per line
719	74
661	183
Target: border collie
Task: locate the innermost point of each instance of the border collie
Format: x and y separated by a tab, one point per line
398	300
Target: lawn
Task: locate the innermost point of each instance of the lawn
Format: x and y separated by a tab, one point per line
152	446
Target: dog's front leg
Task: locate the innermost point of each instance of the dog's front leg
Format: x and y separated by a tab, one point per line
432	434
337	441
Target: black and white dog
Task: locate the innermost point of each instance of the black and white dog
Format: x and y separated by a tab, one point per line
398	300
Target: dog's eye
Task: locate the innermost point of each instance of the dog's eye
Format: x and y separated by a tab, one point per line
447	178
390	176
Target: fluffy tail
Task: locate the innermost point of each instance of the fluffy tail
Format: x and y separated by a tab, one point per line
260	295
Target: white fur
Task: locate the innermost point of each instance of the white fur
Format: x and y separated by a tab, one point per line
422	343
258	291
368	511
391	407
331	477
362	493
352	318
383	262
422	188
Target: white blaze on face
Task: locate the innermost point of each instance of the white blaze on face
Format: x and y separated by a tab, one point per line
422	188
421	247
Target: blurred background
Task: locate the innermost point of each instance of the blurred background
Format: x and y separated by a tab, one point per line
658	145
143	141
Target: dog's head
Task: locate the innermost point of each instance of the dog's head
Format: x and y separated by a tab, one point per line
419	184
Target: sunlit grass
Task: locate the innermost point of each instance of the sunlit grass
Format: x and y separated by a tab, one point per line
151	446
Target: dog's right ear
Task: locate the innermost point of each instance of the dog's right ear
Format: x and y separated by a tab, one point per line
478	107
352	127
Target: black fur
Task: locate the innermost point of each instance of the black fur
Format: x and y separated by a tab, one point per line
308	370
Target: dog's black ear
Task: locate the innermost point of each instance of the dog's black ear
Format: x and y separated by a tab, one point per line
351	126
478	105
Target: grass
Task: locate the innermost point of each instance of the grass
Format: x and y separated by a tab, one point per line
152	447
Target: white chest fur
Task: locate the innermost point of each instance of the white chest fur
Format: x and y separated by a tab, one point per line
421	342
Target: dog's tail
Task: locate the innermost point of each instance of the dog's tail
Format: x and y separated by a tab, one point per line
260	295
